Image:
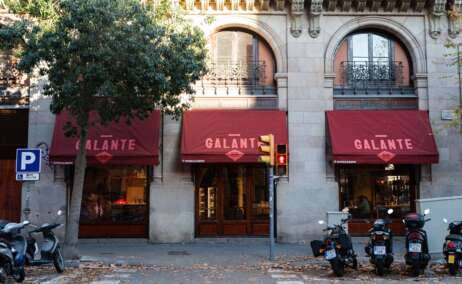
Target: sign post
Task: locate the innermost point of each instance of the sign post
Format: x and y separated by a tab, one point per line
267	156
28	164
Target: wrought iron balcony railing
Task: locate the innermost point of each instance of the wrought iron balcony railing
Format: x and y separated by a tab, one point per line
243	77
373	77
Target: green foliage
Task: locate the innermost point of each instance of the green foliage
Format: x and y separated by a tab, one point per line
116	57
41	9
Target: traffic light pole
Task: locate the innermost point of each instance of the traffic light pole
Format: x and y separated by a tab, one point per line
271	210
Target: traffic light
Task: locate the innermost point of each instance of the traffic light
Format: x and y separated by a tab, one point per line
266	148
282	165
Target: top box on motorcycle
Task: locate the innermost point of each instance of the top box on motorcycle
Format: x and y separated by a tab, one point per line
414	220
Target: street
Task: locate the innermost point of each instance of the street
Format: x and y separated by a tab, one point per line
204	262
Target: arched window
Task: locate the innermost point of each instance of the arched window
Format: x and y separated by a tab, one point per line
241	61
374	62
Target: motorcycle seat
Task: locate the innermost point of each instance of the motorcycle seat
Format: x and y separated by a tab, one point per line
46	227
453	237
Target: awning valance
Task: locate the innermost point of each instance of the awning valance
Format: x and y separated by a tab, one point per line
380	137
116	143
227	136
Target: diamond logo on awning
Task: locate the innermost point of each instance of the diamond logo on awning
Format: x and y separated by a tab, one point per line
234	155
103	157
386	156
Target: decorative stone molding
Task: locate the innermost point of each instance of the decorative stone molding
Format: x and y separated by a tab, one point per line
189	4
375	5
249	5
263	5
439	9
204	5
315	14
389	5
420	5
454	19
330	4
361	5
346	5
220	5
296	9
404	5
280	4
235	5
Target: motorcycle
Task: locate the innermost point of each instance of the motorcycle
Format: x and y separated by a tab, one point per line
417	255
452	248
380	246
337	248
49	251
12	251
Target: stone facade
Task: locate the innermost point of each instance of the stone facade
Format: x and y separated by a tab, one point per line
304	39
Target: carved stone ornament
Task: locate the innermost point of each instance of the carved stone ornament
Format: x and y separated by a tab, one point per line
389	5
189	4
315	14
439	9
280	5
375	5
454	19
404	5
420	5
330	4
361	5
263	5
296	11
235	5
205	5
249	5
346	5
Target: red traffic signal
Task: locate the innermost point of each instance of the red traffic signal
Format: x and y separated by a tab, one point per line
282	165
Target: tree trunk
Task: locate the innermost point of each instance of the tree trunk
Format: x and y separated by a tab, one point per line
72	227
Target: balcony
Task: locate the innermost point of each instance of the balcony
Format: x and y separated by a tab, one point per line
236	78
365	78
12	83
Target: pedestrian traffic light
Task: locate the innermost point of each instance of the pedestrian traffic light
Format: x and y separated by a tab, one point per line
282	165
266	149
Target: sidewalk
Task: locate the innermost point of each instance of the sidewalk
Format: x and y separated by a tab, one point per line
216	251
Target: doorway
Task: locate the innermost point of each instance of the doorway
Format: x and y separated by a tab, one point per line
231	200
14	128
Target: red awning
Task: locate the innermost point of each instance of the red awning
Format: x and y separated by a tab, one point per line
114	143
380	137
227	136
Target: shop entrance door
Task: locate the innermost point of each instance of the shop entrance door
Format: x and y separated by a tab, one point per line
231	200
10	192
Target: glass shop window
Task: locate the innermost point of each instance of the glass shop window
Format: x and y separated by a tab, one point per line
370	191
114	194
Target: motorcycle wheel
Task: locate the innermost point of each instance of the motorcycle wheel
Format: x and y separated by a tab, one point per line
19	275
338	267
453	269
380	268
58	260
2	275
415	269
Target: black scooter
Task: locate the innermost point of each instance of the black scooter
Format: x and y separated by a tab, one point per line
417	255
380	246
50	250
452	248
337	248
12	251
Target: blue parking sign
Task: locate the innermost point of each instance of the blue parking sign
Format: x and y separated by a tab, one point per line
28	160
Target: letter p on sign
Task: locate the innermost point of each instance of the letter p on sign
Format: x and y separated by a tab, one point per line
28	160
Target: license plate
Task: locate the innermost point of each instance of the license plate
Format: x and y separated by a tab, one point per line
415	247
451	259
330	254
380	250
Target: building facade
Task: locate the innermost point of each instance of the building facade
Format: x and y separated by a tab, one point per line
316	73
